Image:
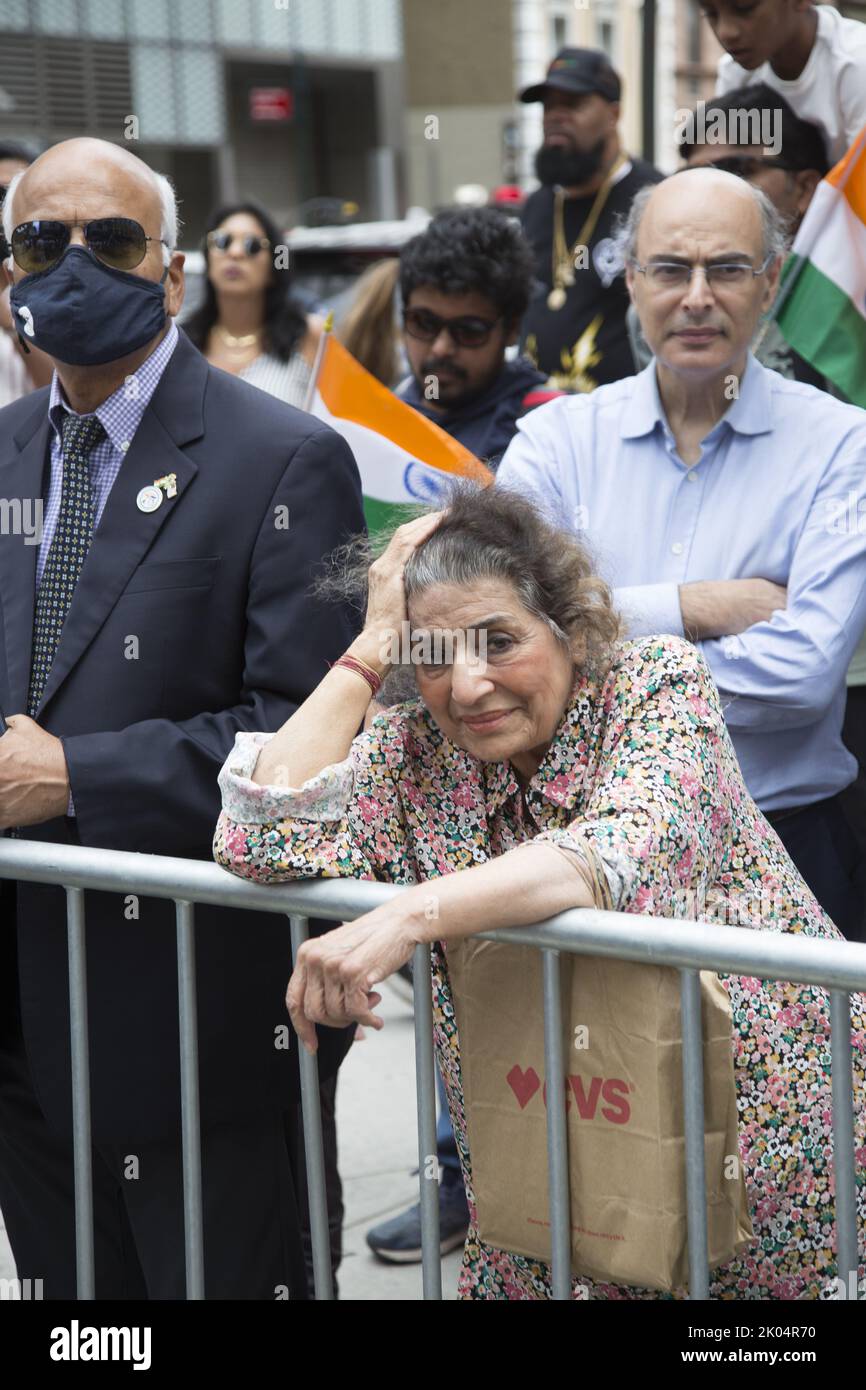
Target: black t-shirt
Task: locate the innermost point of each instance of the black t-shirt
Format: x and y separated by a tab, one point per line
584	344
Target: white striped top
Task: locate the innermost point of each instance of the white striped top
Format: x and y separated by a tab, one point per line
288	381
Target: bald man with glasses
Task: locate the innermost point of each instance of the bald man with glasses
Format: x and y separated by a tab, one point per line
716	495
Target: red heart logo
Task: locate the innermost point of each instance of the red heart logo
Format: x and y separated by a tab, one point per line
524	1084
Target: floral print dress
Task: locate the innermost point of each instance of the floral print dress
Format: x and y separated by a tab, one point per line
641	782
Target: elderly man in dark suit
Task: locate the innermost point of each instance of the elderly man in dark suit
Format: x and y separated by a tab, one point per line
166	608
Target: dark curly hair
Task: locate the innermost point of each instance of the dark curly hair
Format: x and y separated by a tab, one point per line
802	144
471	250
285	320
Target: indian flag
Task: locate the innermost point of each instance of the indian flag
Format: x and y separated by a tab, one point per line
821	308
403	458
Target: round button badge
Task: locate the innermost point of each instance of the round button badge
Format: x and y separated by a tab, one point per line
149	499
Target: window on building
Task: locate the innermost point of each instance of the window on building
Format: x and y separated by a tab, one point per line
560	35
606	36
694	23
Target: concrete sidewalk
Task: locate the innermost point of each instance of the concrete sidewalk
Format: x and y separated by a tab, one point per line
378	1148
376	1131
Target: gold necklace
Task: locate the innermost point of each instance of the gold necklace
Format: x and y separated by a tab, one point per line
563	258
237	344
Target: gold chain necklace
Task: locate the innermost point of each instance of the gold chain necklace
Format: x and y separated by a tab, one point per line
563	258
231	341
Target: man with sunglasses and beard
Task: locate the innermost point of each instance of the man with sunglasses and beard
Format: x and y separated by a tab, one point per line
465	283
575	328
165	608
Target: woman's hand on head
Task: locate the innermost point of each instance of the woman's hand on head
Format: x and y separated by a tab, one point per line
334	975
386	604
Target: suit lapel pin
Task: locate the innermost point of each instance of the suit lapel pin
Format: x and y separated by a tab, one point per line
169	483
149	499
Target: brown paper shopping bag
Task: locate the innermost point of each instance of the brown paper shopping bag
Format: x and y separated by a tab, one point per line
624	1093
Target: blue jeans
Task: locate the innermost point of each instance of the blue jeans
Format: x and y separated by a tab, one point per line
446	1144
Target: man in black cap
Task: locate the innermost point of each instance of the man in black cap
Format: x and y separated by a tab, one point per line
575	326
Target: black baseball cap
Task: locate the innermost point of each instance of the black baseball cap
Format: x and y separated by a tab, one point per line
578	70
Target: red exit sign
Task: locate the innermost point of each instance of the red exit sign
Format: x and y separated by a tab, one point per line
271	104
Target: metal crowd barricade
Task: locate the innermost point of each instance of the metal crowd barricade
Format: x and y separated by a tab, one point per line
839	967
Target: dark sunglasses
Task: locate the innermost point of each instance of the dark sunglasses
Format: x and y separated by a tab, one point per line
116	241
466	331
221	241
745	166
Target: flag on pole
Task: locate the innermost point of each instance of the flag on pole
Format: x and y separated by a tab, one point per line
821	309
404	459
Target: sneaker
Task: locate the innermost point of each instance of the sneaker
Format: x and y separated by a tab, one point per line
398	1241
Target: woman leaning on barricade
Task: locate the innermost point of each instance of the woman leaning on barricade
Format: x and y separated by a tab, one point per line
610	761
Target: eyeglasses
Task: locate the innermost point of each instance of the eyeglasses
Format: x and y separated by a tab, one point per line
466	330
116	241
221	241
675	275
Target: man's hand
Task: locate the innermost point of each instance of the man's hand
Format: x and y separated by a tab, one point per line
726	607
34	780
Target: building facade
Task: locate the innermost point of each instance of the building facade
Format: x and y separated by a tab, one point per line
289	101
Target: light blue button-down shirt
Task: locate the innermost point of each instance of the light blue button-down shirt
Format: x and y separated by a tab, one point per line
779	493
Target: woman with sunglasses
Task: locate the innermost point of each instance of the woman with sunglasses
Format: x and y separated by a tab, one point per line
249	324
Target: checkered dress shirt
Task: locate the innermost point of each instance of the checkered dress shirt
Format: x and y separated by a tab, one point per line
120	416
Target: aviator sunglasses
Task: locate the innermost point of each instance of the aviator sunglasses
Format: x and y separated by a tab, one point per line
116	241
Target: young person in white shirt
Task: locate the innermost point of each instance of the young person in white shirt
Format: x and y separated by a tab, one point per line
811	54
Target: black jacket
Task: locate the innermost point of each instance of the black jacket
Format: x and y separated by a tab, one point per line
486	424
214	589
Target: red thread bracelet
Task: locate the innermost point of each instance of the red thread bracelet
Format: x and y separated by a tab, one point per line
352	663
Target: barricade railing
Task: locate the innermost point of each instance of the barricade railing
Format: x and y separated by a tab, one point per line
839	967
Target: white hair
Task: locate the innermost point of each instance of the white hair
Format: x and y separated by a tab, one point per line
169	220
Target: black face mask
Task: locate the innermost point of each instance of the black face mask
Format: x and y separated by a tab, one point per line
567	167
86	313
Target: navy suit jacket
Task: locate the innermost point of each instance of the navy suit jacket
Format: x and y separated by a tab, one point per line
213	587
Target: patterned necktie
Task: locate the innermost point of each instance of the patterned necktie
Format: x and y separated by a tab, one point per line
69	547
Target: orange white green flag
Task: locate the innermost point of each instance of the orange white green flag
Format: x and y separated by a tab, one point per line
821	308
403	458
